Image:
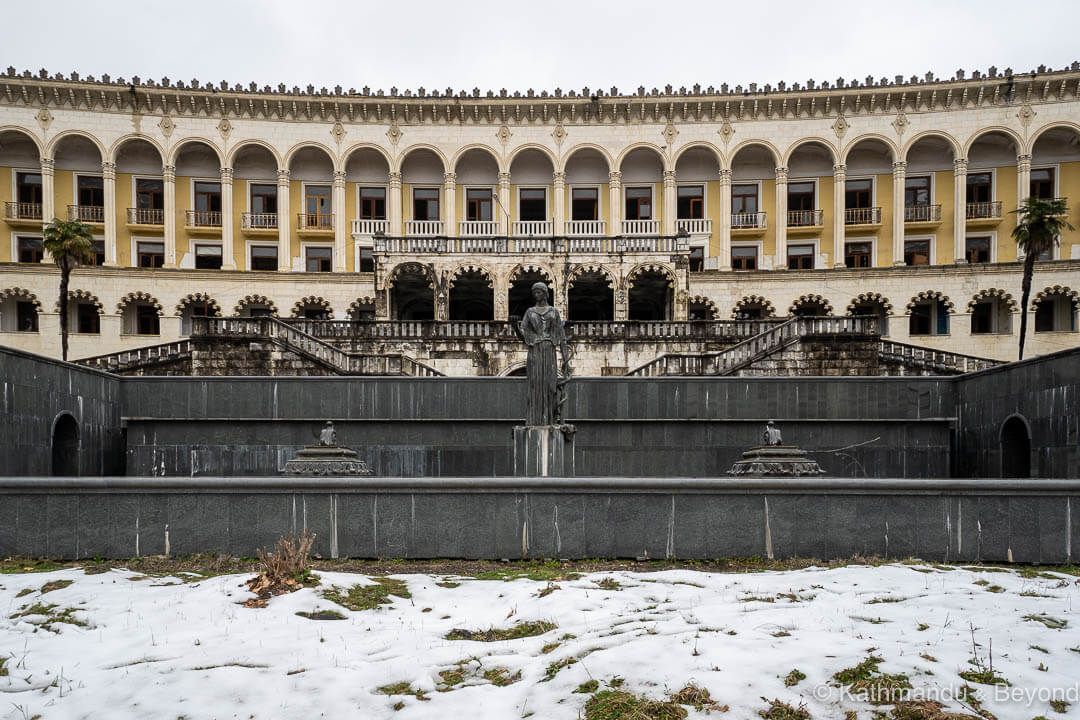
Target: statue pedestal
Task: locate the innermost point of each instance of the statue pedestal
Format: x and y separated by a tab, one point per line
544	451
322	460
775	461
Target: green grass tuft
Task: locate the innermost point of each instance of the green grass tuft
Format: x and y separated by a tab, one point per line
622	705
866	680
516	632
1051	622
587	687
368	597
321	615
794	678
779	710
554	668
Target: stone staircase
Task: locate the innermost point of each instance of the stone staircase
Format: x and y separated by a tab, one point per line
776	338
127	360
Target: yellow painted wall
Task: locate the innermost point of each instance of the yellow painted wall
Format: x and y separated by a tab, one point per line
713	209
944	233
63	192
767	204
352	211
1006	193
123	235
1068	187
185	200
7	194
826	246
296	206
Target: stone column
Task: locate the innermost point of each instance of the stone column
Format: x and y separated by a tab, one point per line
1023	181
504	201
839	176
168	183
450	199
338	209
615	202
395	227
671	208
781	219
108	175
899	173
960	166
284	242
228	257
725	220
48	199
558	203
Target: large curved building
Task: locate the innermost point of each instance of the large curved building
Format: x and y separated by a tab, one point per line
888	197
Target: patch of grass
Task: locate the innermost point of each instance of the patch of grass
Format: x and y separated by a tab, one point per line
55	585
757	598
922	626
13	565
449	584
794	597
779	710
928	657
923	710
549	648
984	676
3	668
368	597
1032	593
551	587
53	616
554	668
872	621
24	592
698	698
794	677
501	677
587	687
981	582
781	633
1051	622
995	589
609	583
253	666
622	705
296	671
876	687
1039	648
402	688
886	599
1059	706
516	632
542	570
322	615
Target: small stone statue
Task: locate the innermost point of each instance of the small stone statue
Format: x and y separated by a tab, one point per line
542	330
328	435
771	436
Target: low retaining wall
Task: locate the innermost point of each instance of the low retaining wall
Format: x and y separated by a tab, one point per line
1032	521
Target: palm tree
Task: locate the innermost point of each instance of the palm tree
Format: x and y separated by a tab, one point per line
70	244
1041	224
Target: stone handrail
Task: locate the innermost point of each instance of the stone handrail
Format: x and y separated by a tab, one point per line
934	359
126	359
764	343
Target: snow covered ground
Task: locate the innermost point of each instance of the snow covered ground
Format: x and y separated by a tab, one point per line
153	647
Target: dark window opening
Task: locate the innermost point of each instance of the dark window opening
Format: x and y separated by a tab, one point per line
28	187
590	298
744	258
982	321
315	312
317	205
916	252
478	204
584	203
977	249
146	320
639	203
697	259
87	319
980	187
372	203
801	196
149	194
471	297
264	257
150	254
367	261
97	248
744	199
91	191
532	204
917	191
256	312
26	316
800	257
691	202
858	194
425	204
208	257
30	250
208	197
1042	183
318	259
264	199
857	254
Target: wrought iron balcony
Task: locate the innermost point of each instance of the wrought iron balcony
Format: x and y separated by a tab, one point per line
984	210
862	216
748	221
145	216
202	219
258	221
315	221
22	211
87	213
591	245
805	218
922	213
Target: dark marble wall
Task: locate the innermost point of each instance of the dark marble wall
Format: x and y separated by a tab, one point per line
34	391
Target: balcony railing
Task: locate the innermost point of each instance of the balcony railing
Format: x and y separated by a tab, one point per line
424	228
258	221
694	226
591	244
526	228
922	213
86	213
22	211
747	221
805	218
862	216
586	227
369	227
640	227
145	216
478	228
984	210
314	221
202	218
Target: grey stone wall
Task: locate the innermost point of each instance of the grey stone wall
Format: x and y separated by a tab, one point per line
1045	392
34	391
937	520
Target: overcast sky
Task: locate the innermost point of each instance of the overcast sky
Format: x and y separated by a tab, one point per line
542	45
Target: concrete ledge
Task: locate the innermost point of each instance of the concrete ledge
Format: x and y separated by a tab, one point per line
1033	521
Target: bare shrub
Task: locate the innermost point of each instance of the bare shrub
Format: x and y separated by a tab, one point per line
285	569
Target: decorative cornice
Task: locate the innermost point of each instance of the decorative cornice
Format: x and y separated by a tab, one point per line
842	99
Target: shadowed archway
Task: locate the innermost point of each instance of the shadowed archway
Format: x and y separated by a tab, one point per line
65	446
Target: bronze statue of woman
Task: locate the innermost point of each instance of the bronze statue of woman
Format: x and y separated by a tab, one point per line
542	330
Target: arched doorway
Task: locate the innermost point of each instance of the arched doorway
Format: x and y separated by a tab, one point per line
1015	448
65	446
